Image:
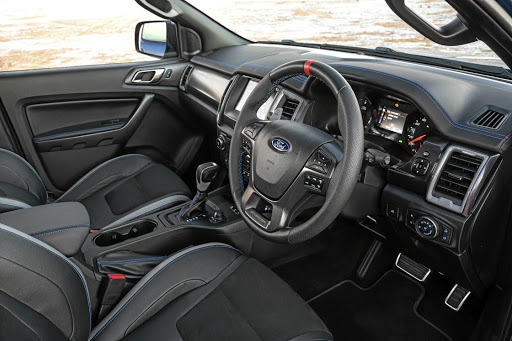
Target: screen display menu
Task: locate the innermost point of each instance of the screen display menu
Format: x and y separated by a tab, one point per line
392	120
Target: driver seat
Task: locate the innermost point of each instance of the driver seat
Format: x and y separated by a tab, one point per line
205	292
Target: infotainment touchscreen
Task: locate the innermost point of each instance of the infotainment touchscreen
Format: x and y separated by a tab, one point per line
392	120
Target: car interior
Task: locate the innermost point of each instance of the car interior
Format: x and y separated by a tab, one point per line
239	190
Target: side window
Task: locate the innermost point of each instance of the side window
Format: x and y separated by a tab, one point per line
37	34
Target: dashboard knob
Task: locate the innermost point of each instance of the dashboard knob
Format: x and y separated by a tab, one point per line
221	142
427	228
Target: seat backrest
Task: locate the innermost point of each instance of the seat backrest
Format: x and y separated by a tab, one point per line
43	295
20	185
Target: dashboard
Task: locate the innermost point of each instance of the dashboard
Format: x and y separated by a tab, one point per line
447	134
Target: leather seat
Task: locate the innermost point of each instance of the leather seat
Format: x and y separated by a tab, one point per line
116	191
206	292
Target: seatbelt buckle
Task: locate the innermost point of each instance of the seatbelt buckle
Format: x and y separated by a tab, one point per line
113	289
111	292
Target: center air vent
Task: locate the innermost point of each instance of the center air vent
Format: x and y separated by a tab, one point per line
457	175
289	108
490	119
458	178
184	77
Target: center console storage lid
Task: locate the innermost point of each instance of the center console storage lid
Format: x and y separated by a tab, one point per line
64	226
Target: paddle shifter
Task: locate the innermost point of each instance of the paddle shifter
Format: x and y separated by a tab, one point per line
205	174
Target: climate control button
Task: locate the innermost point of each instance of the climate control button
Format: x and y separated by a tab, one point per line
427	228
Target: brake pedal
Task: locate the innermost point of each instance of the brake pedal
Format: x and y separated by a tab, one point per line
457	297
412	268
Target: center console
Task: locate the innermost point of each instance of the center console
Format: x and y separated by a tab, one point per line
163	233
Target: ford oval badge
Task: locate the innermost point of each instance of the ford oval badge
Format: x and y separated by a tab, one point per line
281	145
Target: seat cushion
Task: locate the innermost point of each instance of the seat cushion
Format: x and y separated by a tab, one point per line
211	292
125	188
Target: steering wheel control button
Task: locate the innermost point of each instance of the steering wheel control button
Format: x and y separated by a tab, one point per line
420	166
246	166
427	228
319	162
314	182
246	145
393	211
252	130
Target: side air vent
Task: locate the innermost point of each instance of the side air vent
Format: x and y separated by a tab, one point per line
184	77
458	178
289	108
491	119
457	175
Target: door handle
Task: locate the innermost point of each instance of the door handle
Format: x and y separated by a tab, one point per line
148	76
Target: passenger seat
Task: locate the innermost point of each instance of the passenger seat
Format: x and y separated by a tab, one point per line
114	192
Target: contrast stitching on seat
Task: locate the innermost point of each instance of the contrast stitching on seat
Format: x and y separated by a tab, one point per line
135	260
143	313
19	176
154	276
66	261
60	229
431	98
100	166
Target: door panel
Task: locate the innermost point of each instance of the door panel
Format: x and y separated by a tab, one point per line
53	120
67	121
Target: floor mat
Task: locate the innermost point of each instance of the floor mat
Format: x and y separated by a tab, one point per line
385	311
344	248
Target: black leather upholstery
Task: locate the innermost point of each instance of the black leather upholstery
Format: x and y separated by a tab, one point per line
64	226
41	289
125	188
205	292
211	292
116	191
20	185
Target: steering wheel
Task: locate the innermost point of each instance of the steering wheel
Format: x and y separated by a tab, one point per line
292	166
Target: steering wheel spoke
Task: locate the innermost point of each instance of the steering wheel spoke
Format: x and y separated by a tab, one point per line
274	215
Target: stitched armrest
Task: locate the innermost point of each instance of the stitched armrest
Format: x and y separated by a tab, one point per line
64	226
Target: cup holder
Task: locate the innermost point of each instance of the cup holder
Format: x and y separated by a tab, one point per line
126	232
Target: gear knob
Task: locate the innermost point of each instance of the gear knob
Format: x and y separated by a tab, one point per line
205	174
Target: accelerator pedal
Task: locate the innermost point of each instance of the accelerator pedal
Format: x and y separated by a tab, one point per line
457	297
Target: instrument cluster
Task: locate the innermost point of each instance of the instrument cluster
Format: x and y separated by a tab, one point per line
396	120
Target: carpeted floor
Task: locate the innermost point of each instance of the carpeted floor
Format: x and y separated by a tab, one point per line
343	250
385	311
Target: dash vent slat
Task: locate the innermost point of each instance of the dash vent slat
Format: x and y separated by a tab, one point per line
289	108
490	119
184	77
457	175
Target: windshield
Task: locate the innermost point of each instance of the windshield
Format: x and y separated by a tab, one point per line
358	23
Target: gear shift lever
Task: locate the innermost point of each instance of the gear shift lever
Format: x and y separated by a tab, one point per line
205	174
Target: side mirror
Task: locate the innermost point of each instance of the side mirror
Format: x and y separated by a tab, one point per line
156	38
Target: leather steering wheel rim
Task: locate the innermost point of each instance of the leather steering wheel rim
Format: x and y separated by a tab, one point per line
345	174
